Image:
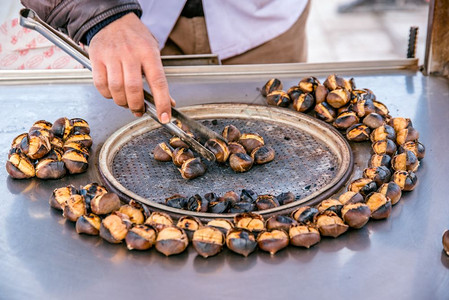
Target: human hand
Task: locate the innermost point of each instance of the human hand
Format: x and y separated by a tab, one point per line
119	53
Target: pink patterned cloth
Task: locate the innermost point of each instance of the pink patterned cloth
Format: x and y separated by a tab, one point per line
22	48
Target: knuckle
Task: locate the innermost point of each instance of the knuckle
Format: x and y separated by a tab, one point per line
159	82
115	85
134	87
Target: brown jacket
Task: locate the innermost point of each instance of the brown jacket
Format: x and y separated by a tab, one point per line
77	17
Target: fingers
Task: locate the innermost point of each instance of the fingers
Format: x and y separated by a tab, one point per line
133	87
116	83
101	79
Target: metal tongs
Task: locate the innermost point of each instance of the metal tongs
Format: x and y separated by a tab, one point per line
29	19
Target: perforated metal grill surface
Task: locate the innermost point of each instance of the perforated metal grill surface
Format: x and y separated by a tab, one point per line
302	165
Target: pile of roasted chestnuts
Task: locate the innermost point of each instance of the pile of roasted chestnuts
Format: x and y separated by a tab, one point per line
241	152
49	151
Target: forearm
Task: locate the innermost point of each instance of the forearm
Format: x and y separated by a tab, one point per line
77	17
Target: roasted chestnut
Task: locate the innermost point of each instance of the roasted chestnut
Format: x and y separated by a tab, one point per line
242	207
231	133
309	84
280	222
241	241
356	215
363	94
195	203
325	112
304	236
446	242
400	123
346	120
35	145
379	175
192	168
378	160
114	227
266	202
171	240
140	237
329	224
105	203
273	241
75	161
250	221
358	133
54	153
134	214
271	85
303	102
219	149
241	162
263	155
208	241
221	224
80	126
162	152
373	120
84	139
189	224
379	205
278	98
392	191
61	128
405	161
19	166
406	180
18	140
176	142
159	220
304	214
88	224
330	205
235	147
351	198
91	191
381	109
219	206
362	107
74	207
248	196
179	124
320	93
333	82
416	147
363	186
409	134
338	98
41	124
286	198
49	168
383	132
180	155
61	195
251	141
76	146
387	147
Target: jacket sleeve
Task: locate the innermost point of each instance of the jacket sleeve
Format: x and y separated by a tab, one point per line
76	17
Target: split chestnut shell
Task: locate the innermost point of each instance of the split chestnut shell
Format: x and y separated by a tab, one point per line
208	241
304	236
273	241
140	237
171	240
241	241
88	224
329	224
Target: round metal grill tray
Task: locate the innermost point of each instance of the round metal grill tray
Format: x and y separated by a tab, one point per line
313	160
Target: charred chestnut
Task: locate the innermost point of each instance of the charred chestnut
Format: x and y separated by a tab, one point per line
329	224
75	146
446	242
171	240
250	221
61	128
263	155
55	154
221	224
88	224
84	139
356	215
280	222
378	160
180	155
383	132
105	203
134	214
320	93
219	206
231	196
358	133
114	228
49	168
338	98
140	237
373	120
241	162
35	145
304	236
242	207
248	196
363	186
41	124
333	82
379	175
159	220
379	205
405	161
381	109
176	142
278	98
286	198
351	198
61	195
325	112
235	147
400	123
266	202
406	180
219	149
208	241
392	191
330	205
189	224
363	107
273	241
75	161
241	241
195	203
409	134
92	190
192	168
304	214
74	208
19	166
251	141
416	147
346	120
162	152
231	133
309	84
80	126
382	147
18	140
271	85
303	102
179	124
